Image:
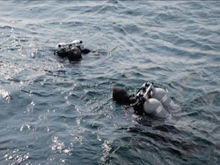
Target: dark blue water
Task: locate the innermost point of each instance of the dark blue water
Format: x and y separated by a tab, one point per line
51	117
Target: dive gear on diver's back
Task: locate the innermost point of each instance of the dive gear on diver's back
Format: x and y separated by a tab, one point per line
161	95
155	108
148	100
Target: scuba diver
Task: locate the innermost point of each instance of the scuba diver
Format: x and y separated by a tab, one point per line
72	51
148	100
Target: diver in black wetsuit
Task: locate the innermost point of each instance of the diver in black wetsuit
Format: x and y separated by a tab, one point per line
147	101
72	51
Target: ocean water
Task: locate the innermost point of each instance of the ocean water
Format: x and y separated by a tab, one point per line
53	117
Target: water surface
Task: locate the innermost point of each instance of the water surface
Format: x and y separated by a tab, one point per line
51	117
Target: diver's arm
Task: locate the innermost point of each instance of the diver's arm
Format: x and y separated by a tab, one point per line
85	51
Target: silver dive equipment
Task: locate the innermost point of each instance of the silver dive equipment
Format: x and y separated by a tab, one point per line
161	95
151	106
78	44
75	43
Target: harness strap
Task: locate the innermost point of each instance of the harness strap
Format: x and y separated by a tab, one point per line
131	105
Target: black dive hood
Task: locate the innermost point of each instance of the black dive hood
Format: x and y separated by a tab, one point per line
72	53
121	96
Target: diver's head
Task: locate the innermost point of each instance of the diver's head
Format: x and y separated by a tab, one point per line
74	54
68	51
121	96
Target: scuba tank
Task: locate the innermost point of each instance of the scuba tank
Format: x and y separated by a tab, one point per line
151	106
79	44
161	95
154	107
142	102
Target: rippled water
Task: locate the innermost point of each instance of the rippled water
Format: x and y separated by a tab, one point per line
51	117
